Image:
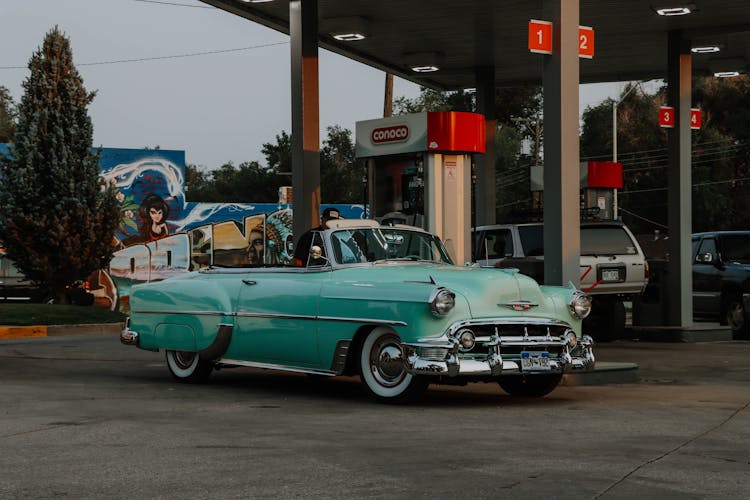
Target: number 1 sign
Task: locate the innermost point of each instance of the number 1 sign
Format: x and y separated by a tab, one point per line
540	36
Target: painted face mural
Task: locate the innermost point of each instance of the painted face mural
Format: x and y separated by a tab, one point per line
163	235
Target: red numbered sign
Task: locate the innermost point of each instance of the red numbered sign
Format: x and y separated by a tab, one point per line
540	36
695	118
666	116
586	42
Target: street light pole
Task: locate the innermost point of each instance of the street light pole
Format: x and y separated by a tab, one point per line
614	144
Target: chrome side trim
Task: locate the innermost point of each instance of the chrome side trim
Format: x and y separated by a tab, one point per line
271	366
192	313
363	320
371	321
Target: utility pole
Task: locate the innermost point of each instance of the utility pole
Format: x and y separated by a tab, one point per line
388	101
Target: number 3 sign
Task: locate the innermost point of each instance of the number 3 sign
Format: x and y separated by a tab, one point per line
666	117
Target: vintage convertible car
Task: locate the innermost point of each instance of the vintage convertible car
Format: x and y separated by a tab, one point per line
382	301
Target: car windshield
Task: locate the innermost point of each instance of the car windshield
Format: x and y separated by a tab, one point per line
354	246
736	248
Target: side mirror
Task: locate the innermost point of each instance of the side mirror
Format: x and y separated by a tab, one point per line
704	258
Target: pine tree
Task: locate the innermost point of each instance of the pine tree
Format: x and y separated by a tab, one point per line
57	220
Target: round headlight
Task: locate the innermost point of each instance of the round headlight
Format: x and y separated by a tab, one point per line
580	305
442	301
466	339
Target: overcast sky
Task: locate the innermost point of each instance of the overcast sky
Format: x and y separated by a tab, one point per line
219	107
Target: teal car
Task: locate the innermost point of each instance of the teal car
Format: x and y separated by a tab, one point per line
384	302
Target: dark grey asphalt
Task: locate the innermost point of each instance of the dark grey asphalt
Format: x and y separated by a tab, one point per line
85	417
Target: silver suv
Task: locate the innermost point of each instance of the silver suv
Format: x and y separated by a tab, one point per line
613	266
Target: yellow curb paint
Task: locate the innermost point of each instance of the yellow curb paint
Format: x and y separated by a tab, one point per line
15	332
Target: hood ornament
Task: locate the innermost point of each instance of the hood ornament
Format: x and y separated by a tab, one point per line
519	305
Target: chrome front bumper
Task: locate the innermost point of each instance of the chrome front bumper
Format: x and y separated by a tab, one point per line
443	356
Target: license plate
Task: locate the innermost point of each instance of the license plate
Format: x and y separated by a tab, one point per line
535	361
610	275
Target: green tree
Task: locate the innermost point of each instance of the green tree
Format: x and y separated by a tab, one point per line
58	220
341	176
7	115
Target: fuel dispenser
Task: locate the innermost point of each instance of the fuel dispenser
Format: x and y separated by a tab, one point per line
419	169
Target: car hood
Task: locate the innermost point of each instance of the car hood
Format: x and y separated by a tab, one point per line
487	292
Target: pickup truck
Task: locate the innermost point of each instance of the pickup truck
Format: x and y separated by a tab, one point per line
613	266
721	279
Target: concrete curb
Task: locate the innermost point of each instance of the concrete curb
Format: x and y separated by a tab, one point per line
18	332
604	373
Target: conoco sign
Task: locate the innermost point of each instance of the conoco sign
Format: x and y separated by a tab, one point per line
395	133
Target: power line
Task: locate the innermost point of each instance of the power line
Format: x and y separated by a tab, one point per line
175	4
174	56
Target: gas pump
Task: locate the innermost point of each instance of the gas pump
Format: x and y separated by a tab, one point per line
419	172
602	180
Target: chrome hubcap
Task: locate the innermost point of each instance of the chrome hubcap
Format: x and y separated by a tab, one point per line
386	362
183	359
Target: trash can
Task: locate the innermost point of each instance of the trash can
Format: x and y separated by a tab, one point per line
652	306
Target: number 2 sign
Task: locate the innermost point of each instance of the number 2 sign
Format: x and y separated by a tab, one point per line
540	38
586	42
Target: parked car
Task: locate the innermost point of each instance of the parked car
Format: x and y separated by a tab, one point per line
14	287
721	279
382	301
613	265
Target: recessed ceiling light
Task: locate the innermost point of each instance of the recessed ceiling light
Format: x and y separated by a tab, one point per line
424	69
257	1
673	11
726	74
705	50
349	37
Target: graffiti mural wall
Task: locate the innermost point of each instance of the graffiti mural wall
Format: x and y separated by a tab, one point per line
162	234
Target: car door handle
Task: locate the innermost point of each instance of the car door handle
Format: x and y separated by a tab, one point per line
250	282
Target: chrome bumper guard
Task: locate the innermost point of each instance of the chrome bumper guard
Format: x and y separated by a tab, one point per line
128	336
443	357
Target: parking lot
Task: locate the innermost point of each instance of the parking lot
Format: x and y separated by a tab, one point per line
85	417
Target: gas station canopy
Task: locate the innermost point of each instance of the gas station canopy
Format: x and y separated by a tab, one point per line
460	36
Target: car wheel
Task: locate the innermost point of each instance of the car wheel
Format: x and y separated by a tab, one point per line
734	316
381	368
188	367
534	386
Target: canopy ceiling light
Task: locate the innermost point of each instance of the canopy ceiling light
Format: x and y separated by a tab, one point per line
672	8
257	1
707	49
424	62
346	29
727	67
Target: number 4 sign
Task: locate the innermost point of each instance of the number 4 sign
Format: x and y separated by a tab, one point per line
667	117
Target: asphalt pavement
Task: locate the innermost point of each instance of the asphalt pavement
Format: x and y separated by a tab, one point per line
83	416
